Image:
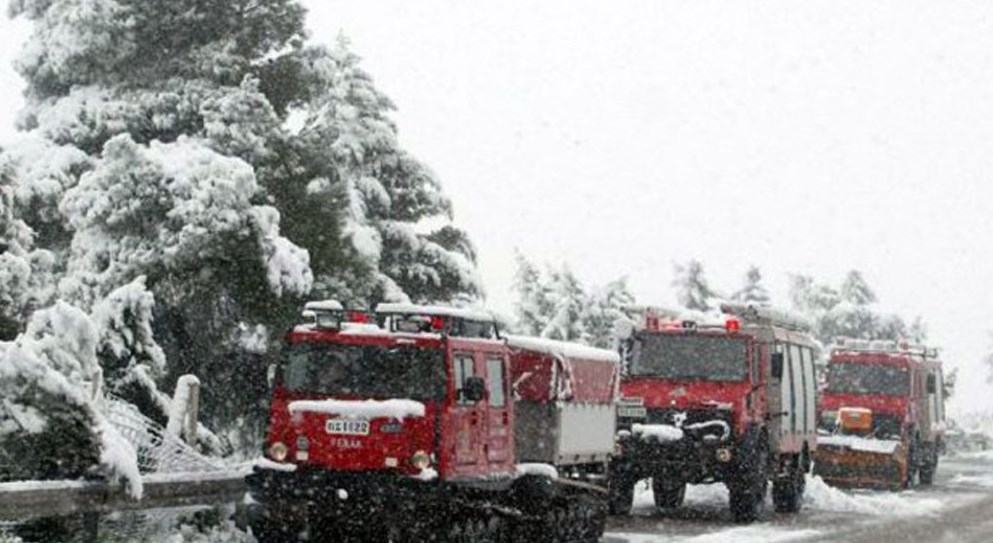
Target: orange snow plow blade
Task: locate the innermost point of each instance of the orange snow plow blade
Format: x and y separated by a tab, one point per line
844	465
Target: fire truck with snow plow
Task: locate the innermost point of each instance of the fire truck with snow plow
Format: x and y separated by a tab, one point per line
881	415
421	423
733	402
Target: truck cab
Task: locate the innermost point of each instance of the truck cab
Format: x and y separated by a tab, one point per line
881	415
398	425
731	402
370	410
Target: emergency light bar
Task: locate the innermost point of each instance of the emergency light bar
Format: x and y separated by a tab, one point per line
765	315
883	346
452	321
331	314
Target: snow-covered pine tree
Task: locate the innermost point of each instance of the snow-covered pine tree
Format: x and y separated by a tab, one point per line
159	144
391	193
603	310
692	290
568	301
753	292
533	306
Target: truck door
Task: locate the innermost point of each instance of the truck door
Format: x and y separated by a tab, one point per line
468	416
499	430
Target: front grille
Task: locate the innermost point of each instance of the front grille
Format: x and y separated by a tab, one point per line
690	417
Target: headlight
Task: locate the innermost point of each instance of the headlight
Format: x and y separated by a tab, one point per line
278	451
420	460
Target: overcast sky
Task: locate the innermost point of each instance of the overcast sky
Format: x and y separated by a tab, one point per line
620	137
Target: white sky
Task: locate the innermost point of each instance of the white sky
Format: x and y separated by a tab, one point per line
809	137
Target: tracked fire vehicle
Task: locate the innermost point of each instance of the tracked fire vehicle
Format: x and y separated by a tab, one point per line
418	423
882	415
732	403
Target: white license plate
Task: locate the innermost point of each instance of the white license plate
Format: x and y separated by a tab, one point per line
632	412
348	427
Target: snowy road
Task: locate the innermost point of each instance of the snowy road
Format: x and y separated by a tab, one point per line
958	508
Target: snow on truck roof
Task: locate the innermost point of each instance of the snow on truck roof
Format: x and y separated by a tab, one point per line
562	348
324	305
468	313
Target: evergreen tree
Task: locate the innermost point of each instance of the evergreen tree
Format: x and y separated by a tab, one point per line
533	305
692	290
568	305
556	305
603	311
157	149
753	292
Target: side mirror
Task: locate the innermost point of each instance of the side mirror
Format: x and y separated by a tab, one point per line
776	365
932	384
270	376
473	389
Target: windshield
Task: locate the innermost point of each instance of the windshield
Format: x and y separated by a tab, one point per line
689	357
868	379
374	371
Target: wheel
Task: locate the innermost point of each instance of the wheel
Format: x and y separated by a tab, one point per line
668	494
621	495
593	515
928	468
787	492
746	503
751	478
913	476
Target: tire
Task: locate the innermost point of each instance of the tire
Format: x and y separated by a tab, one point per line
928	468
620	498
668	494
913	476
746	504
787	492
750	482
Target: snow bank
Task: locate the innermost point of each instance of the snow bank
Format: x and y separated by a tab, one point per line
543	470
822	497
369	409
884	446
662	433
562	348
983	481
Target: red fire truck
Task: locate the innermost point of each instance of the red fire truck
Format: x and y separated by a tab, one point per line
402	424
882	415
733	402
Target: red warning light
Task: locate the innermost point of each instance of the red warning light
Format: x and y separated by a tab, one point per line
732	325
357	316
437	323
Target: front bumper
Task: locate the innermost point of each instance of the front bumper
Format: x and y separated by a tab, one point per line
686	460
308	494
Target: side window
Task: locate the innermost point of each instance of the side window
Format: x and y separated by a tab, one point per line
809	390
798	409
463	370
756	364
495	373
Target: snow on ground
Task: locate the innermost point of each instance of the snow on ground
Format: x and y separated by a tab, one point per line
745	534
820	496
982	481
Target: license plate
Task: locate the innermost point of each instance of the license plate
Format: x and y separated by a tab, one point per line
632	412
348	427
